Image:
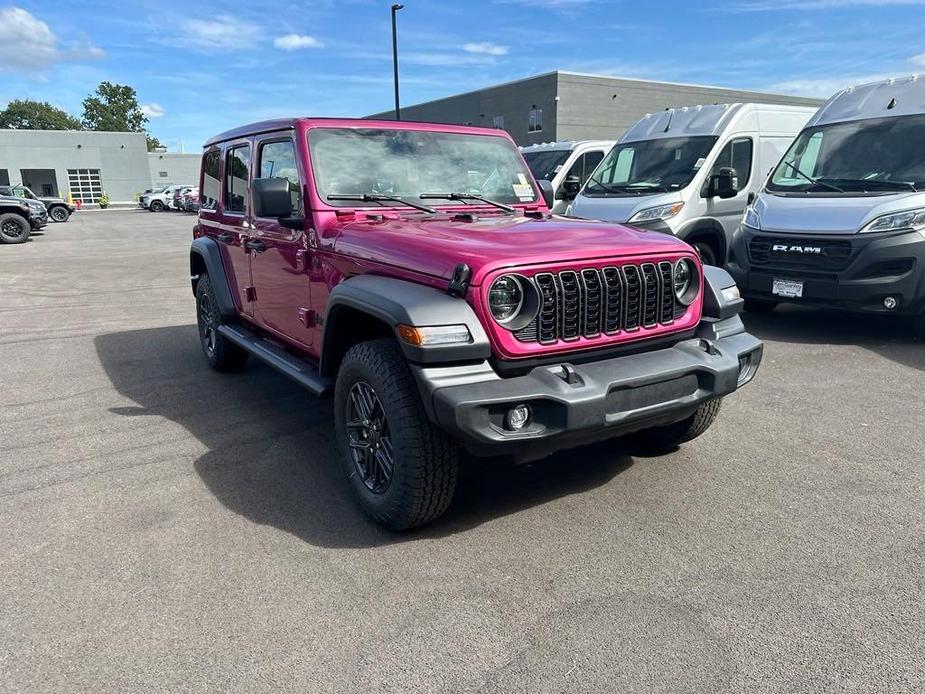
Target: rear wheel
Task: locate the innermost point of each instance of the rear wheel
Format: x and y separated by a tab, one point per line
14	228
156	206
59	214
402	468
221	354
666	438
760	305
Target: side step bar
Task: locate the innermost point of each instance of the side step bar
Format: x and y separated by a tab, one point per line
301	371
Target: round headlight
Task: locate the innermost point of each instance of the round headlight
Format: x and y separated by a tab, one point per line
684	281
505	297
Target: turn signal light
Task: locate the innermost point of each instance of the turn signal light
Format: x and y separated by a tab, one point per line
434	335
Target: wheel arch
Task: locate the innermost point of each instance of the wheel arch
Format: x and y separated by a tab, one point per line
710	231
205	257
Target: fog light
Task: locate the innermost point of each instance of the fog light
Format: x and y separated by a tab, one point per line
889	303
517	417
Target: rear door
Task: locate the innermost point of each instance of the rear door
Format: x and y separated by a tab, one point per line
279	261
223	215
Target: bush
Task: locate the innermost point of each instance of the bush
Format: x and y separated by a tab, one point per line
104	201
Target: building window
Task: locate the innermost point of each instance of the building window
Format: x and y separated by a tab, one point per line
85	184
162	174
535	120
498	122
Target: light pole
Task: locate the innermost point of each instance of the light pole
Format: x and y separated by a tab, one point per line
395	8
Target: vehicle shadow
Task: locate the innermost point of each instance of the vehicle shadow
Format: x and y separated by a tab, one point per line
271	453
887	336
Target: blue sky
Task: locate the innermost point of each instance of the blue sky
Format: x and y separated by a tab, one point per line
201	67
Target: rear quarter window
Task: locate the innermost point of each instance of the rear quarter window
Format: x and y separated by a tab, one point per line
211	181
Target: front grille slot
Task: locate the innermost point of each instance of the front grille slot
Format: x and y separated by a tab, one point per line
800	253
591	302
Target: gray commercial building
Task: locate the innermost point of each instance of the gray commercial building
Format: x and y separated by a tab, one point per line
573	106
85	163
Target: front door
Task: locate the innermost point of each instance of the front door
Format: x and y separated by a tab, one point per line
279	261
223	216
736	153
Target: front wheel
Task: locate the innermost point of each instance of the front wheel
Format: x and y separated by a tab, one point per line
669	437
706	252
156	206
402	468
14	228
59	214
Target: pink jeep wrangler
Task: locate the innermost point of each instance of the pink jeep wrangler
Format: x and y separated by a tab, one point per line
414	272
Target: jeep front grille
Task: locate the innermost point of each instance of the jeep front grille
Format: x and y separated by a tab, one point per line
608	300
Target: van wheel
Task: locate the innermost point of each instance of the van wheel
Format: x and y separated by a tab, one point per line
221	354
59	214
156	206
760	305
706	252
667	438
402	468
14	228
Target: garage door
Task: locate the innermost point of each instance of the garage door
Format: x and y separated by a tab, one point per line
85	184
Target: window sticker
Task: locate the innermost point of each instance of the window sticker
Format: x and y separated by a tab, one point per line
523	192
700	162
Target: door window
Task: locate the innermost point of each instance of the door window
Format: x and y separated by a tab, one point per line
737	154
211	183
584	166
277	160
237	166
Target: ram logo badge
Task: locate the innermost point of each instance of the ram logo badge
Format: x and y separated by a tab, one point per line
784	248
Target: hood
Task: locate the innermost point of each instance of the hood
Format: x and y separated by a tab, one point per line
618	208
435	245
48	201
824	214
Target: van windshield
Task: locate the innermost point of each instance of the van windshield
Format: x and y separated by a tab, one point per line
637	168
866	157
546	164
406	163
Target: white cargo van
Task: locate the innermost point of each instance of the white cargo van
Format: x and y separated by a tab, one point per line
691	171
566	165
841	221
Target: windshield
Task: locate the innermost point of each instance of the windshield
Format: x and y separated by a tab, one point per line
875	156
664	164
546	164
406	163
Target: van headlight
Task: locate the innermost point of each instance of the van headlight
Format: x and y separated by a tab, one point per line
650	214
513	301
910	219
685	281
752	218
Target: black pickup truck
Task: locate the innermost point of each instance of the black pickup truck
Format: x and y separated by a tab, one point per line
58	209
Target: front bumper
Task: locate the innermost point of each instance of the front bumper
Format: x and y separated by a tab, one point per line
576	404
854	271
37	221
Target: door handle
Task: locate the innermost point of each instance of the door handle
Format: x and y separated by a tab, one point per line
255	245
225	237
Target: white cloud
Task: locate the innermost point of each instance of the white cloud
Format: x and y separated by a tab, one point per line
771	5
918	60
485	48
28	44
293	42
220	33
153	110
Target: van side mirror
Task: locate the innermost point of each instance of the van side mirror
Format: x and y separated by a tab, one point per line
549	196
724	184
271	197
570	187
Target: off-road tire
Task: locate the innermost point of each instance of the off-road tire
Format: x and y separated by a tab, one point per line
760	306
221	354
425	460
14	228
669	437
156	206
59	214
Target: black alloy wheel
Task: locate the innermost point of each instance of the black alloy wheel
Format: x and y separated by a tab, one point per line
369	438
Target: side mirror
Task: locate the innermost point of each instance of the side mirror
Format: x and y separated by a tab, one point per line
571	186
549	196
724	184
271	197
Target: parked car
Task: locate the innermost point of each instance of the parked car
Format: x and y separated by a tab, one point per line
19	217
58	208
157	201
190	201
841	220
690	171
566	165
175	202
413	271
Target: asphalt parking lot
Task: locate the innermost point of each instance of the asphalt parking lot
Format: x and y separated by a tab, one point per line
168	528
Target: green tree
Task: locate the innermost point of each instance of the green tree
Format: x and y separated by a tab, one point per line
114	107
153	142
25	114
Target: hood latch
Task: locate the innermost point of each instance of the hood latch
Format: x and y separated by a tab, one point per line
459	282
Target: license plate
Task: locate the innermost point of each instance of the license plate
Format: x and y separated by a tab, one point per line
792	289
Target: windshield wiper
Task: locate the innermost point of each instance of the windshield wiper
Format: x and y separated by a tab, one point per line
814	181
466	196
380	197
872	182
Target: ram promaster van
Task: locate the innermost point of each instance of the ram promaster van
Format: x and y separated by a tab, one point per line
566	165
690	171
841	221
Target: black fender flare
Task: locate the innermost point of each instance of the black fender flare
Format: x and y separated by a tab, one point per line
716	306
206	251
711	227
400	302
